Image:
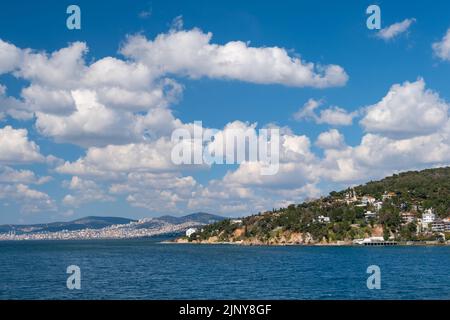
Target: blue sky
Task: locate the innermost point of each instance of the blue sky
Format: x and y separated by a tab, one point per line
394	102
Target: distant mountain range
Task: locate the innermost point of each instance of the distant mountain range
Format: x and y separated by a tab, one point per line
95	222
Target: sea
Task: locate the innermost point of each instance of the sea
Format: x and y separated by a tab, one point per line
151	270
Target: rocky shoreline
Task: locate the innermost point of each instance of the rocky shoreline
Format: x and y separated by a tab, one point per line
296	239
330	244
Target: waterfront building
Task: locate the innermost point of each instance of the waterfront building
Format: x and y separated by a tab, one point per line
438	226
374	241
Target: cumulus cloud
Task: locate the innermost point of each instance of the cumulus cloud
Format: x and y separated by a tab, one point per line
10	175
191	53
396	29
408	129
118	109
30	200
146	175
16	148
336	116
333	115
442	48
158	192
377	156
331	139
116	159
394	148
55	101
246	190
114	100
67	95
307	112
84	191
407	110
10	57
92	123
13	107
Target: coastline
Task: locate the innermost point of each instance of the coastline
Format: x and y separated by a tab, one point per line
181	241
336	244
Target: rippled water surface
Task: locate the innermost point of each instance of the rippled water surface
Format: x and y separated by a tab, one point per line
146	269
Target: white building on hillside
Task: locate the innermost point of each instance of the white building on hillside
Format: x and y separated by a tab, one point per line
368	200
408	217
350	196
378	205
370	215
323	219
190	232
428	216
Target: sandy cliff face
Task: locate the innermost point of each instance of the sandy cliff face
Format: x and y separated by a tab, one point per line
377	231
285	238
277	238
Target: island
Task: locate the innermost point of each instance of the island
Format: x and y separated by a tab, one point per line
406	208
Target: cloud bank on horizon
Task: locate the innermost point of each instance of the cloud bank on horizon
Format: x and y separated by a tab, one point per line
119	110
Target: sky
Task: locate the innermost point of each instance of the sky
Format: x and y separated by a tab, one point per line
86	116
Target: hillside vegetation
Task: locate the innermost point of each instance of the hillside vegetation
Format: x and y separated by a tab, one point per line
377	208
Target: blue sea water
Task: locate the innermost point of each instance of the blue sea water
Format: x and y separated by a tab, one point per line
146	269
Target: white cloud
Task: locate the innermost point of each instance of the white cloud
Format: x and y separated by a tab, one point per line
84	191
50	100
30	200
92	123
409	129
336	116
191	53
115	159
442	48
331	139
236	200
395	29
407	110
333	115
16	148
107	101
307	111
10	57
61	69
245	190
10	175
118	100
377	156
158	192
118	109
13	107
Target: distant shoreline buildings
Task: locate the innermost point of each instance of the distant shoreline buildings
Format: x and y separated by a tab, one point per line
120	231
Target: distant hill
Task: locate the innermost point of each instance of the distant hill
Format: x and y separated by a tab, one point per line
348	214
90	222
200	217
94	222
